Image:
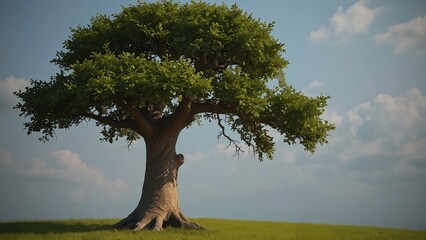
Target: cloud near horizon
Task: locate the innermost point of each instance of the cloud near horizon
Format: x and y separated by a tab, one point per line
380	146
405	37
343	24
67	167
392	126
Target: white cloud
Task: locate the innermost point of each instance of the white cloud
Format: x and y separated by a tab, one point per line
404	110
312	87
355	20
319	35
344	24
386	126
405	37
66	165
7	87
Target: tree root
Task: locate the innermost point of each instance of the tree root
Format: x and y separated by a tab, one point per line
157	223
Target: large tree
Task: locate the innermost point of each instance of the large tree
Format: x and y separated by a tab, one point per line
153	69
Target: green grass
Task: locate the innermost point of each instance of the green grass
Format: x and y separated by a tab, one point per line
218	229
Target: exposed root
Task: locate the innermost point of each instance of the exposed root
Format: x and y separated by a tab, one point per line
126	223
142	224
178	220
158	223
193	226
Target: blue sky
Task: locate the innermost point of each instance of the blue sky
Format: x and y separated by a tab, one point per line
369	56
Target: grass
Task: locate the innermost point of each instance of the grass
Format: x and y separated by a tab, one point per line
88	229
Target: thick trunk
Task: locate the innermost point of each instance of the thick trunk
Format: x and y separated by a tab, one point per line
159	203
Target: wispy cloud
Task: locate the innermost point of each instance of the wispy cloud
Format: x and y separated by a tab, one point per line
344	24
405	37
7	87
315	85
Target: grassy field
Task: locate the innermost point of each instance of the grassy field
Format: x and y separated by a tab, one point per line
218	229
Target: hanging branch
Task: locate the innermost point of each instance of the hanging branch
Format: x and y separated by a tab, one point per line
238	149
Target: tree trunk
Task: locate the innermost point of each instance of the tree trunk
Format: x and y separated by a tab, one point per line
159	203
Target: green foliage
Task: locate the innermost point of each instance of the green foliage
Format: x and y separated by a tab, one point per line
107	77
44	103
218	229
198	31
119	70
298	117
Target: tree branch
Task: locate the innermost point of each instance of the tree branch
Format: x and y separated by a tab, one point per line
238	149
188	108
219	108
143	126
181	117
212	63
113	123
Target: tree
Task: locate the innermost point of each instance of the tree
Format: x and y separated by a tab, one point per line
153	69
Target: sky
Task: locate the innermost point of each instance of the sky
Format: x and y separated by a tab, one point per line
369	56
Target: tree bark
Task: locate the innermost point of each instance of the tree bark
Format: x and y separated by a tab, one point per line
159	203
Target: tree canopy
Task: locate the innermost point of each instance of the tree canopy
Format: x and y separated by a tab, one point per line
161	66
